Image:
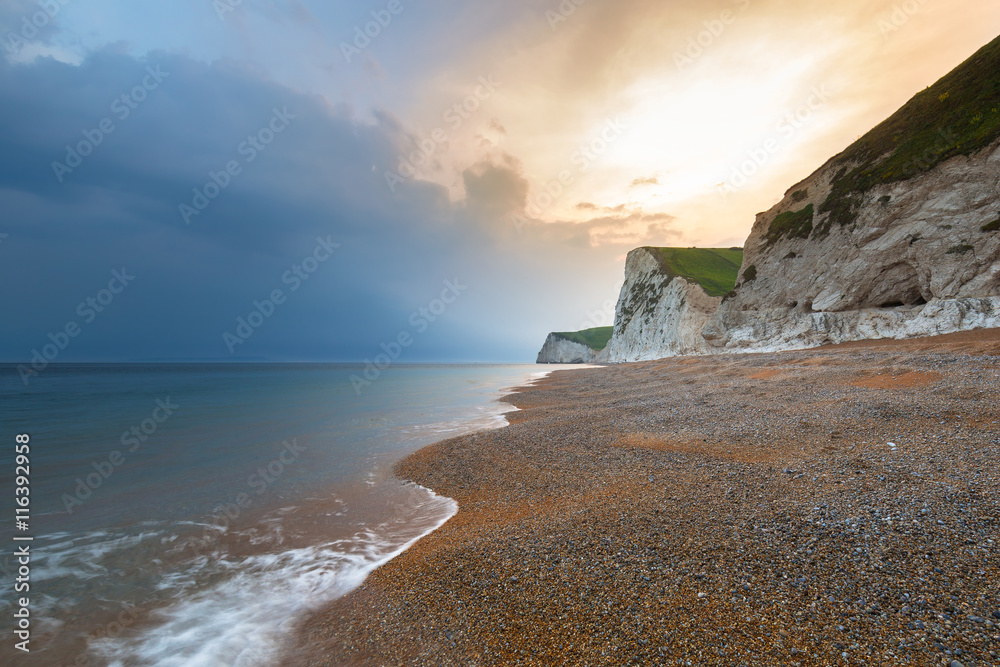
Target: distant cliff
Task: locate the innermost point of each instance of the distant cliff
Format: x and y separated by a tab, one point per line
581	347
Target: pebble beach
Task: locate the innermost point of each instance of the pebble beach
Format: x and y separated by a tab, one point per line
833	506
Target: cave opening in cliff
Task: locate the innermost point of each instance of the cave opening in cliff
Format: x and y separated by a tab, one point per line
898	286
917	300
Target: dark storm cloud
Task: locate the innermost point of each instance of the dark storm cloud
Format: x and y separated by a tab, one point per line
214	187
208	183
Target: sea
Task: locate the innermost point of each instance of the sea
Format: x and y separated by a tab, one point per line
192	515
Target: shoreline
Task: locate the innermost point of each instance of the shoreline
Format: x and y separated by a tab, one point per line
494	415
723	510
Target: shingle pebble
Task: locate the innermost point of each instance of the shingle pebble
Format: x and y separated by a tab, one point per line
645	514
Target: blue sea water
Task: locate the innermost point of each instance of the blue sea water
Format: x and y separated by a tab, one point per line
192	515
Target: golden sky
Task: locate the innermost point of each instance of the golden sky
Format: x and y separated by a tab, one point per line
683	118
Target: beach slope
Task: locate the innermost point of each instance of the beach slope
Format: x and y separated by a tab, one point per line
822	507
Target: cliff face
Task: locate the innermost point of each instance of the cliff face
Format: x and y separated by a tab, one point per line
898	236
658	314
921	257
560	350
895	237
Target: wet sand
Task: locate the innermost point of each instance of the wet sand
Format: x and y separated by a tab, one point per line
727	510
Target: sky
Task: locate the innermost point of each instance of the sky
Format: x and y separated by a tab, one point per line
426	180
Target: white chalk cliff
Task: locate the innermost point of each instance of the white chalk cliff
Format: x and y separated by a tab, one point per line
561	350
921	259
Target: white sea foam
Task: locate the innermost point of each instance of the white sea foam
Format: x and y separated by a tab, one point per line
244	619
79	556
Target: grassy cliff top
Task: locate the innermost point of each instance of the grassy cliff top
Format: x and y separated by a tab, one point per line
715	269
958	115
595	339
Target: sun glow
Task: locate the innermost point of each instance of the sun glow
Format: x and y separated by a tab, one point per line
682	134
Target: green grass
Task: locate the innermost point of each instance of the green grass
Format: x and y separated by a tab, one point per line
958	115
595	339
792	225
715	269
993	226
